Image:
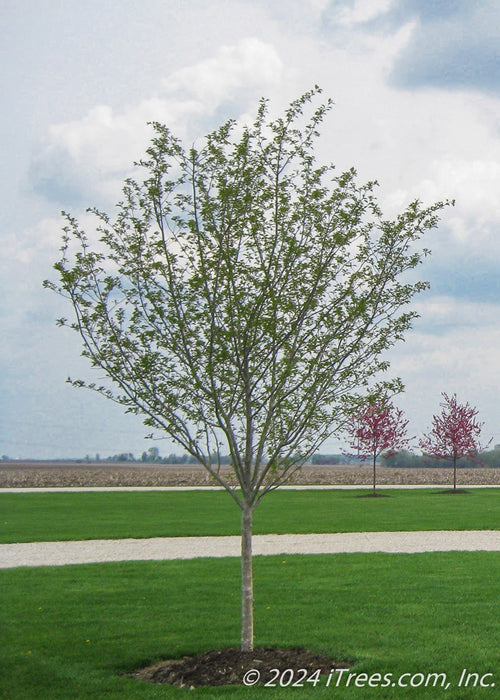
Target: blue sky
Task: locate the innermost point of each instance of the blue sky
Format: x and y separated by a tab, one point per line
416	86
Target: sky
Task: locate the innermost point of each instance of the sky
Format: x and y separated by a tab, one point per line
416	87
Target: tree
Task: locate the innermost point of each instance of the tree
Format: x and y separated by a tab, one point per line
454	434
376	426
402	459
240	296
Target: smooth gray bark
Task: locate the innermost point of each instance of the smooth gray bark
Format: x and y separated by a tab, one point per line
246	579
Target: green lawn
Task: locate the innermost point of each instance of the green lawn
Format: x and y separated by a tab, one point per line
96	515
69	632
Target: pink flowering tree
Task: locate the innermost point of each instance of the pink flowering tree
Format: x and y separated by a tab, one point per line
454	434
377	426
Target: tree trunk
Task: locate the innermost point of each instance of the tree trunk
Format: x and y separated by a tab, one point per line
246	580
454	472
374	475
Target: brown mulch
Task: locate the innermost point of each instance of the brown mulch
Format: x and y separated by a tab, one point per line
229	666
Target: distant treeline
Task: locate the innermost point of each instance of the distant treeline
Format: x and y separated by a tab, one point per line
397	460
320	459
407	460
152	456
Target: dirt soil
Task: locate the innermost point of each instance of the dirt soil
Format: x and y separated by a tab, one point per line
234	667
54	474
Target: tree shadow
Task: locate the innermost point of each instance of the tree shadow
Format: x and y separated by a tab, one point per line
373	495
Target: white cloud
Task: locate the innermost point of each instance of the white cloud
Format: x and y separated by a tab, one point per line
89	157
362	11
440	312
454	45
37	242
249	64
318	6
474	185
454	349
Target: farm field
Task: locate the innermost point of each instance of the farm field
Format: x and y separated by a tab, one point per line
38	517
46	474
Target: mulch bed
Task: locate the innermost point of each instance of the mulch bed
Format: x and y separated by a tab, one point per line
229	666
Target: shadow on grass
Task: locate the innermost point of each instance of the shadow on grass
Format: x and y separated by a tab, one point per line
373	494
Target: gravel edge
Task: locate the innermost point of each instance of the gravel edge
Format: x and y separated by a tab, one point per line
163	548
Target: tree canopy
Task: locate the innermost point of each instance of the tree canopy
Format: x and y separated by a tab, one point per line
454	433
376	426
243	294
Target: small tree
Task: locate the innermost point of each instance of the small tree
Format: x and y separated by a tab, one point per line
454	434
240	297
376	426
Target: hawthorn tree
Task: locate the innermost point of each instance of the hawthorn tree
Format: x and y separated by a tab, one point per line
240	296
454	434
376	426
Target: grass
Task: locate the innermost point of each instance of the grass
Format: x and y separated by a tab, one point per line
70	632
37	517
73	631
